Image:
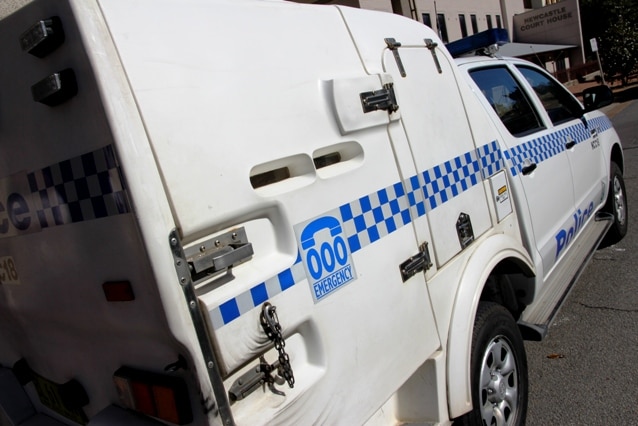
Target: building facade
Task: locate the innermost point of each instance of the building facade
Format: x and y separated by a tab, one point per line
547	32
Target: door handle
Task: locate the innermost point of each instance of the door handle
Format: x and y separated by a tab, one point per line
570	144
529	169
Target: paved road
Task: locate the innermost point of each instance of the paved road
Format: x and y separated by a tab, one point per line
586	371
9	6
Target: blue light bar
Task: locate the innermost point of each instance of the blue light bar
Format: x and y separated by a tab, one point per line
482	40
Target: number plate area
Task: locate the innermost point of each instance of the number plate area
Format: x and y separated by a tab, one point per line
61	398
8	271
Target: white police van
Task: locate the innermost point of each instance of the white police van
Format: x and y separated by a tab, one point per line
260	212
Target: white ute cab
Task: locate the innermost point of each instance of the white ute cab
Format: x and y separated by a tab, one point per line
219	212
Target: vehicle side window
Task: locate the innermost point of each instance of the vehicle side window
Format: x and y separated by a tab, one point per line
558	102
508	99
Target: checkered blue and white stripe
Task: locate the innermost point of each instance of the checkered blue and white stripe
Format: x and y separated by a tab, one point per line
601	123
376	215
233	308
373	216
545	147
79	189
491	159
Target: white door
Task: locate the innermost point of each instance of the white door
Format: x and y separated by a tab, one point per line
250	141
535	156
564	115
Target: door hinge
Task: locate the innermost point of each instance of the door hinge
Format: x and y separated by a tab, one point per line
417	263
222	405
394	45
432	46
383	99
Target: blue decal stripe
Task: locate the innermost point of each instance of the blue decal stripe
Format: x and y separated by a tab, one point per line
545	147
372	217
376	215
602	123
246	301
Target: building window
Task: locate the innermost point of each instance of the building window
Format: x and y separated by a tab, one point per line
489	22
441	27
463	25
498	21
560	64
427	20
474	24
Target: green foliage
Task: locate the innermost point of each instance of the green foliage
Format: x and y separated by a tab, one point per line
614	23
620	49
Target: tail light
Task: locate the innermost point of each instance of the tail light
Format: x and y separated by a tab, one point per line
156	395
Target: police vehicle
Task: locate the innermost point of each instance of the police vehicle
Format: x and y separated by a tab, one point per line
259	212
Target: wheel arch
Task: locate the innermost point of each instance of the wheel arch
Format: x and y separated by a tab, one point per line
498	254
617	156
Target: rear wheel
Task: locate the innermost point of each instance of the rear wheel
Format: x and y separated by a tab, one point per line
498	369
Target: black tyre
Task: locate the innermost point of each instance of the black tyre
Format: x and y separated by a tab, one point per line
498	370
617	206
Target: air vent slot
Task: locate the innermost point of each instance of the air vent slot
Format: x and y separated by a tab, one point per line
327	160
269	177
337	159
283	175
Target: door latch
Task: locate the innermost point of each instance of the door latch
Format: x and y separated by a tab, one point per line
256	377
218	254
262	374
417	263
464	230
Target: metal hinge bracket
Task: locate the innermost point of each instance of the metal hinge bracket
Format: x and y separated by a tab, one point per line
201	329
430	44
394	45
383	99
418	263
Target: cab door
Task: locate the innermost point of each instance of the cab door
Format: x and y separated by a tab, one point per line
580	137
535	156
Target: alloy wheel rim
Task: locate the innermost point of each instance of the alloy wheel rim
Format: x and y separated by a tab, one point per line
499	383
619	201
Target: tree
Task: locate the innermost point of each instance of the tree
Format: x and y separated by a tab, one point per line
614	23
620	50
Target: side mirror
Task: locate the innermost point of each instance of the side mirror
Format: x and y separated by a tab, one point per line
597	97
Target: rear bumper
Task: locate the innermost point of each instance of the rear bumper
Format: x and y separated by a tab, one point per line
16	409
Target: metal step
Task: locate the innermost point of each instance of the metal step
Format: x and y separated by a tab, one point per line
539	315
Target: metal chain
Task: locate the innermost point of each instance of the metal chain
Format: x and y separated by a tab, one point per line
272	328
